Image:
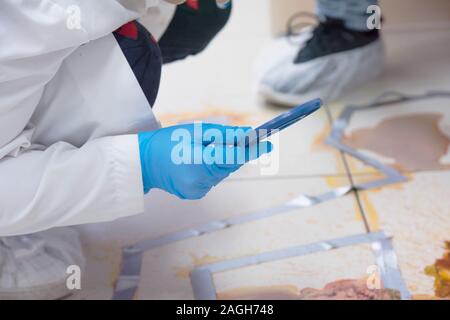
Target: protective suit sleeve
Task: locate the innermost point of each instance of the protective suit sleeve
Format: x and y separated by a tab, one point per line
63	185
47	186
35	38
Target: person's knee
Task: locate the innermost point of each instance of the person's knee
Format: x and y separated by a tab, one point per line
192	28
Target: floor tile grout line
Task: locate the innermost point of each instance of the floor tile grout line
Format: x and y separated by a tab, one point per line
349	176
287	177
322	175
356	192
381	100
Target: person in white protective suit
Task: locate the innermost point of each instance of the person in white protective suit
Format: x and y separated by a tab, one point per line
341	52
78	140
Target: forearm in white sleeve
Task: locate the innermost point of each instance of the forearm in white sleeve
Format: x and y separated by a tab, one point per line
63	185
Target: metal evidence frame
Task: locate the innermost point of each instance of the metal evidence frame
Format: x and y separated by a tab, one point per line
202	277
385	100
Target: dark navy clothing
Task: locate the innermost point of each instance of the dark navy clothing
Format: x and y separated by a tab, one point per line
144	56
194	25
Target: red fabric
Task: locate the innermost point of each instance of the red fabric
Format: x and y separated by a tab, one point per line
193	4
129	30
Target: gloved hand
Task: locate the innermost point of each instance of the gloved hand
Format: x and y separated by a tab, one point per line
188	160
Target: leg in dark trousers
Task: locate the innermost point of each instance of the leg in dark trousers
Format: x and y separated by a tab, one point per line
194	25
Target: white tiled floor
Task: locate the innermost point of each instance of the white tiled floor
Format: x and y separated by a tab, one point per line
328	220
416	213
167	268
310	271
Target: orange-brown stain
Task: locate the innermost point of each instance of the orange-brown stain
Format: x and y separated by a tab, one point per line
414	141
440	270
370	212
354	165
319	139
183	272
231	118
347	289
319	144
335	182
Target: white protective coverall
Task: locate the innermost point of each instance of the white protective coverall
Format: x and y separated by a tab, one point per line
70	108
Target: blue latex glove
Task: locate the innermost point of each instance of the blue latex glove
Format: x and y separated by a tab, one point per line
187	174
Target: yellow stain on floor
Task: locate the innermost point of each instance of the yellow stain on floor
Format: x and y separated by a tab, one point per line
335	181
229	117
184	272
318	143
440	270
369	210
355	166
363	179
